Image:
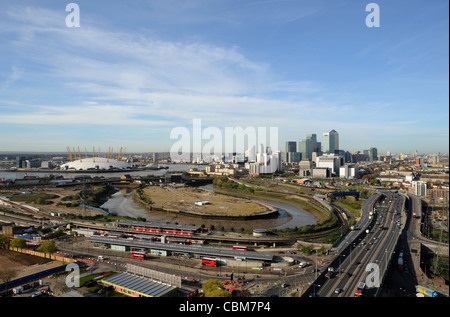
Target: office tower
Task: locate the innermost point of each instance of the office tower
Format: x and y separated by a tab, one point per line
312	144
291	146
373	154
293	157
302	148
330	142
419	188
308	146
265	163
250	154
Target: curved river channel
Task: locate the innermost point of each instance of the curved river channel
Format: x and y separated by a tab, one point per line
122	204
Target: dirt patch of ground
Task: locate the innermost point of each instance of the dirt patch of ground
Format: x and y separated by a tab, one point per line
185	198
22	264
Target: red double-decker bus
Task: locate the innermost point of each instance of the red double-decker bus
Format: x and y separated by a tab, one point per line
239	248
209	262
138	255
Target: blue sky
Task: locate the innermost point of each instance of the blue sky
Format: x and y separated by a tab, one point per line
134	70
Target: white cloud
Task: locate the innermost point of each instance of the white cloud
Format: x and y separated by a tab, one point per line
16	74
110	77
144	77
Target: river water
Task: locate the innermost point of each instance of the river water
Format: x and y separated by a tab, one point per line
171	168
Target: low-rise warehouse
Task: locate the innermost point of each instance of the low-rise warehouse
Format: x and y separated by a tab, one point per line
138	286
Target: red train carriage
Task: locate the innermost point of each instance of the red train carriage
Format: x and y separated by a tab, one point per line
197	242
164	231
178	232
145	229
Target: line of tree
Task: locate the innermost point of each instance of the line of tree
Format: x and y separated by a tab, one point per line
226	183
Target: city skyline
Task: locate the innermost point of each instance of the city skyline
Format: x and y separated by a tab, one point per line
130	73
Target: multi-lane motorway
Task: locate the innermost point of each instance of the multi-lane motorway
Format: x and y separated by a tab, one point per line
368	254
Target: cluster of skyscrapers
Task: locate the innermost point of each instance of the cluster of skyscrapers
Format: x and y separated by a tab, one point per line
309	148
318	159
324	159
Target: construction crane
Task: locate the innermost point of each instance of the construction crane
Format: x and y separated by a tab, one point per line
70	154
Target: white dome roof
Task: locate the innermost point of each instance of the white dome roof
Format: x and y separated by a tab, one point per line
97	163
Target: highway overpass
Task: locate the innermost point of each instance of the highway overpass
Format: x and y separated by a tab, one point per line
366	255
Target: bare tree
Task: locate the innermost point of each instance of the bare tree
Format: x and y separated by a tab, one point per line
6	276
59	287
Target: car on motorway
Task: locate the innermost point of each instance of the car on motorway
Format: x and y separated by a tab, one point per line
338	290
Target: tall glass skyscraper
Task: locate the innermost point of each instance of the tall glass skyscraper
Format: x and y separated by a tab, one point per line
291	146
330	142
307	146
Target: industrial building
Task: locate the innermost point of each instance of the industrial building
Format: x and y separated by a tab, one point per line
142	282
349	171
331	161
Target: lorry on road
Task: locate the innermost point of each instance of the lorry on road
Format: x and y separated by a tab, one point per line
423	290
360	289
